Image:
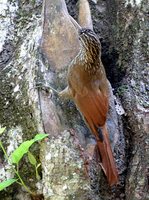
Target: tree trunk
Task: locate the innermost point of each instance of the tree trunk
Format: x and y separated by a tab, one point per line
130	39
37	43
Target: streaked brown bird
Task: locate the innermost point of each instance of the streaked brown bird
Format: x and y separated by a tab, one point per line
88	87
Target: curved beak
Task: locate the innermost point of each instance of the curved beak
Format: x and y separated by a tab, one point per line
76	25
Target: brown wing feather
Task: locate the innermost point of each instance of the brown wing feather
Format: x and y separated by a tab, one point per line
94	108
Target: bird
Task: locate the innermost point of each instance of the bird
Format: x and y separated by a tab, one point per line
88	88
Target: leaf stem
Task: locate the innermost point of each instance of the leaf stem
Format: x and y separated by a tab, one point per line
1	145
16	171
22	182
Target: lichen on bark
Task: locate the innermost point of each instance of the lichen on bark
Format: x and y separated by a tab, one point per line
66	178
130	39
18	98
123	29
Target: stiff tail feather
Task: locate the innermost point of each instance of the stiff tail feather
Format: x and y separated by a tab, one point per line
94	108
107	159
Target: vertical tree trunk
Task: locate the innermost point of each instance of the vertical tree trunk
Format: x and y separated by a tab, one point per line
129	24
25	110
37	47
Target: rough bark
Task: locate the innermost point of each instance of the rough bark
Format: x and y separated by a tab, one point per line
71	117
130	38
19	108
26	111
123	29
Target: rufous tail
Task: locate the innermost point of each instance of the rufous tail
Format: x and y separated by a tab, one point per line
94	108
107	160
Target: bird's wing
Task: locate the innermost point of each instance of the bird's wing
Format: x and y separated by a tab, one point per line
94	108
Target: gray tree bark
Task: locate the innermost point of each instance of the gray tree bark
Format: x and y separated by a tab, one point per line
37	43
130	39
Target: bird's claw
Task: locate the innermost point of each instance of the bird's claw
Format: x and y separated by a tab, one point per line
46	88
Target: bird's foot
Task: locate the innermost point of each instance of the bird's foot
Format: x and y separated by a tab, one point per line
46	87
65	94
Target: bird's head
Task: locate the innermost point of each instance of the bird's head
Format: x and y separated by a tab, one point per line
90	41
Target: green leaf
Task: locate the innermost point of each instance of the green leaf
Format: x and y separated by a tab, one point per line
2	130
7	183
40	136
31	158
23	148
20	151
